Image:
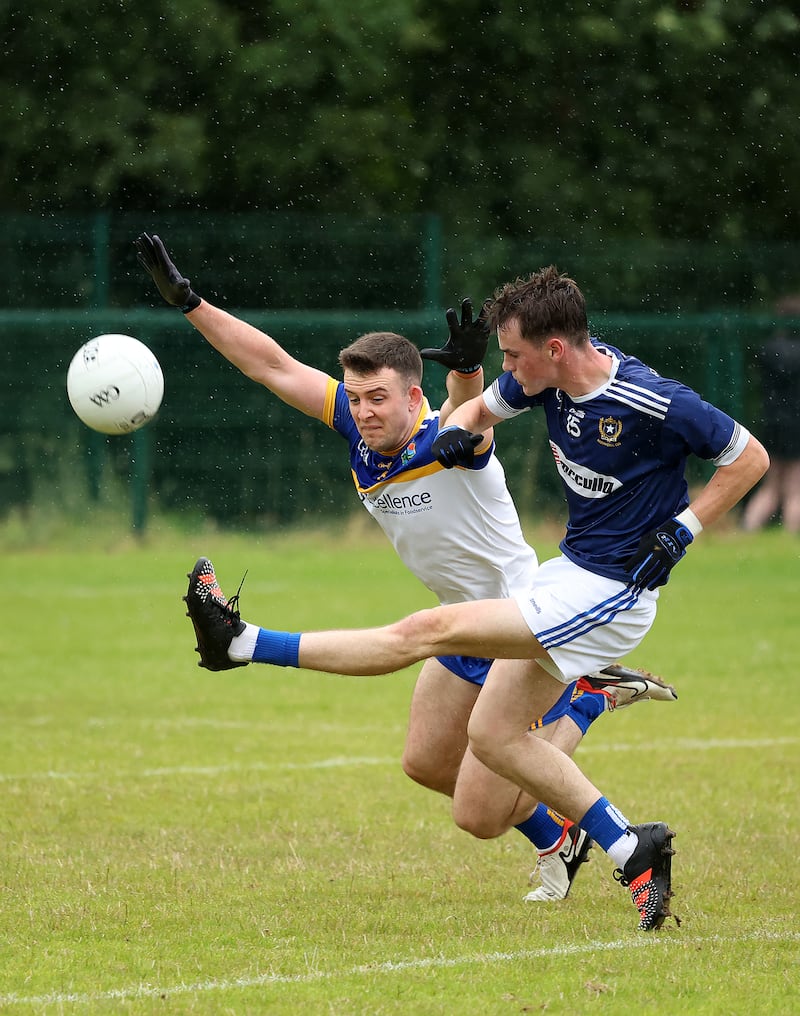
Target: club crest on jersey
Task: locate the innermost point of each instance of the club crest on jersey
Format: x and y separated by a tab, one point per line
610	430
408	453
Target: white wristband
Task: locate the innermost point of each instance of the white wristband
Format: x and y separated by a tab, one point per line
688	518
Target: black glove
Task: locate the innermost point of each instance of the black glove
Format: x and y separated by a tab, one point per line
454	446
466	347
658	553
153	257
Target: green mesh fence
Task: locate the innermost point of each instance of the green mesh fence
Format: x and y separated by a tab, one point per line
300	262
326	262
677	277
225	448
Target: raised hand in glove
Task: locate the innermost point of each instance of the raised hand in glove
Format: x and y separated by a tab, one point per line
658	553
454	446
152	256
466	345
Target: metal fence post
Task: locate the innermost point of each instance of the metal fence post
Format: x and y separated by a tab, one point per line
140	479
95	452
432	247
101	256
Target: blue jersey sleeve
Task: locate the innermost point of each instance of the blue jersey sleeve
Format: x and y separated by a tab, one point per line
505	398
696	427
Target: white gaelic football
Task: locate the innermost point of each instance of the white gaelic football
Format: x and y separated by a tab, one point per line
115	384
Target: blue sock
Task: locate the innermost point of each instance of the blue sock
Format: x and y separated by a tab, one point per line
561	708
280	648
604	824
543	828
585	709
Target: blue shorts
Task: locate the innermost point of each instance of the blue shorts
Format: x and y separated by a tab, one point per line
475	668
469	668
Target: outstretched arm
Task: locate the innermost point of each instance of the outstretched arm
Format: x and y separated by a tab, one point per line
260	357
255	353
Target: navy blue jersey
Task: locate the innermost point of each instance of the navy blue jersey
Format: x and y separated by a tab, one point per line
621	454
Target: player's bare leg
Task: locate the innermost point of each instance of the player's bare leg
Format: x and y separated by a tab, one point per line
490	628
437	727
485	804
499	727
791	497
501	738
765	502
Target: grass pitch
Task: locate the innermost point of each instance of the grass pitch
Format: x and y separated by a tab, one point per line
184	842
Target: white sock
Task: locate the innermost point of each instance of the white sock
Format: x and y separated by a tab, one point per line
242	646
620	850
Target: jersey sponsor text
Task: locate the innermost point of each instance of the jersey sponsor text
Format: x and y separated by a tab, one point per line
581	479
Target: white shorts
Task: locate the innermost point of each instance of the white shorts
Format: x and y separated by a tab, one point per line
583	620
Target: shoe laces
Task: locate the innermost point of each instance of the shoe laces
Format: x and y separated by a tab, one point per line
232	606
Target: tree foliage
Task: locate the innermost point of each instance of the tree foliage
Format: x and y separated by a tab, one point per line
620	118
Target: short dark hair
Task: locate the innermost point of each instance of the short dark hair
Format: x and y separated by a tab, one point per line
375	350
546	303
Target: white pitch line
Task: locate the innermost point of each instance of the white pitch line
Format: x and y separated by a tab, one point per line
388	967
678	745
694	744
257	767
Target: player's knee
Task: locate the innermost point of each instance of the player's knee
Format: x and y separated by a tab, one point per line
482	742
479	824
418	633
422	772
429	630
492	750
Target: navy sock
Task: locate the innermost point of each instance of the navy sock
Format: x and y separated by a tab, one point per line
280	648
543	828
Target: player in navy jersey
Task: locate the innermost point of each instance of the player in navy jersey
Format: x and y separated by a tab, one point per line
456	530
620	436
620	452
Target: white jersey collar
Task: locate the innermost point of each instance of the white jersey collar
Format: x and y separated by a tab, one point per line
606	384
